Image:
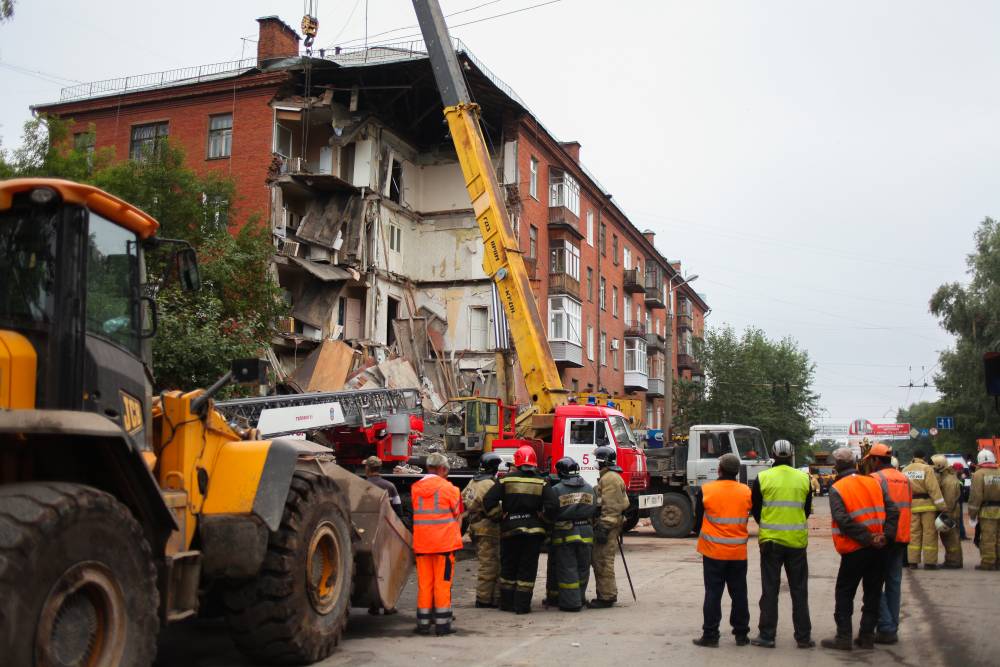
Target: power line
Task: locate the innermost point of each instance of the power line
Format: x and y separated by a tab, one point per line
38	74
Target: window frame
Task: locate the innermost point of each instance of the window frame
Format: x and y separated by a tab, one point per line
532	242
227	137
564	257
635	356
590	228
533	177
564	190
156	141
565	318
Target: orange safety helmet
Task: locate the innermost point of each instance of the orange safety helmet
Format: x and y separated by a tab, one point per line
879	449
525	456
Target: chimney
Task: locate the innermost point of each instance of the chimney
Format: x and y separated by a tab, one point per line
573	148
649	234
275	40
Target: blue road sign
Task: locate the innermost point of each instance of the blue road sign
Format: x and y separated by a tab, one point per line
925	433
946	423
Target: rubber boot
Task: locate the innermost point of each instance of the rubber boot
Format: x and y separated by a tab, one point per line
597	603
706	642
865	641
838	643
442	629
506	600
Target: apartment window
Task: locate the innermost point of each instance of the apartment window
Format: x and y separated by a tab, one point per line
479	328
220	136
602	239
590	342
614	248
638	266
590	284
565	258
604	348
564	191
590	228
84	143
614	353
635	355
283	140
532	242
396	182
614	301
216	210
603	295
147	141
626	310
627	258
395	237
533	183
565	316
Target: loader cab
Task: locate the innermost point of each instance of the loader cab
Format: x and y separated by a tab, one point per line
473	423
71	286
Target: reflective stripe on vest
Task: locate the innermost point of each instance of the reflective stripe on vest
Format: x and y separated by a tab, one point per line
436	518
724	528
862	498
784	491
898	486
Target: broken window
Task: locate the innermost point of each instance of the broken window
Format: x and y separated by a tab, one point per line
220	136
282	140
564	191
565	314
396	182
147	140
565	258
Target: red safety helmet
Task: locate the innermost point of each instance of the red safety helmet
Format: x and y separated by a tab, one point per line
958	466
525	456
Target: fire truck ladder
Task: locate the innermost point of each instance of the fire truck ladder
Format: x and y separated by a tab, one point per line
313	411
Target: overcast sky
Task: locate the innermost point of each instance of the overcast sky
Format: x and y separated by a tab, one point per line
821	166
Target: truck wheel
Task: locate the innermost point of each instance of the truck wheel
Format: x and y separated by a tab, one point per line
631	520
674	518
296	609
78	580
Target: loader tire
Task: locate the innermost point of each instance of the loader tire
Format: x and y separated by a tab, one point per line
77	579
295	610
674	518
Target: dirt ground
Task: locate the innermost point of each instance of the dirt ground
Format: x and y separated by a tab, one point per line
948	618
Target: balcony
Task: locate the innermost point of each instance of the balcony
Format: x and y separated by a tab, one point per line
563	283
656	388
654	341
529	264
654	292
561	219
635	330
566	354
635	381
685	322
633	282
689	363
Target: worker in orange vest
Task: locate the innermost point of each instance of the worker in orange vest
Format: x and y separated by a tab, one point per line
864	522
437	535
722	510
897	486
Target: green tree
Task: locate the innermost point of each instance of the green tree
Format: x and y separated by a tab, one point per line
6	10
968	312
753	380
199	333
923	415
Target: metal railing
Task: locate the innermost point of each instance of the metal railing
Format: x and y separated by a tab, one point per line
173	77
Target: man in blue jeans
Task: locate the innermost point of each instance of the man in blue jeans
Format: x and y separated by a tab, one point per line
896	486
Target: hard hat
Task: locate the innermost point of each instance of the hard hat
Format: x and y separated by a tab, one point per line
958	467
783	449
894	462
490	462
567	467
939	462
606	456
525	456
729	464
879	449
985	456
373	463
944	523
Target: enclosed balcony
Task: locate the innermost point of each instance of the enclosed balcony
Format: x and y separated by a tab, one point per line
564	204
636	368
565	340
564	269
633	282
685	322
657	367
656	388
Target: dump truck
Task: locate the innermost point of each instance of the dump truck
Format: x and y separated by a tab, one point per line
120	510
685	464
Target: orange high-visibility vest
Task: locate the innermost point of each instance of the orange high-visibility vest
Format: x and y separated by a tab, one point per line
437	516
724	529
862	498
898	486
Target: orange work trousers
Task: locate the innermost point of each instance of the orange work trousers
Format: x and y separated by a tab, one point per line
435	573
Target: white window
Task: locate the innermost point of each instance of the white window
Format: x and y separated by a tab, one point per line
565	316
614	301
603	295
635	355
590	228
638	267
604	349
395	238
627	258
283	141
564	191
590	342
626	311
479	328
533	182
614	353
565	258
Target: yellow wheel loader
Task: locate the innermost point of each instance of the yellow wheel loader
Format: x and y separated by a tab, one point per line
120	511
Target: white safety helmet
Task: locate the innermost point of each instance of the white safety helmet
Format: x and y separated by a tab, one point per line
895	462
782	448
985	456
944	523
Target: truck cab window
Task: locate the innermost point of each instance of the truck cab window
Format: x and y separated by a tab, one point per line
581	432
111	299
711	448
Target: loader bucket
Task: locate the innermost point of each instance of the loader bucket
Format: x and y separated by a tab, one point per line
383	554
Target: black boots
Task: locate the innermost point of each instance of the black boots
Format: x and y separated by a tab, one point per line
706	642
838	643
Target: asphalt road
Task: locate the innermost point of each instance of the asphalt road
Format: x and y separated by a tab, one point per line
949	618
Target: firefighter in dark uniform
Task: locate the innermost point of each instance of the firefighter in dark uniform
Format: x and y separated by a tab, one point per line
486	530
613	501
551	578
571	508
520	496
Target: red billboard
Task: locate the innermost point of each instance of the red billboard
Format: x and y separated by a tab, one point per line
865	427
